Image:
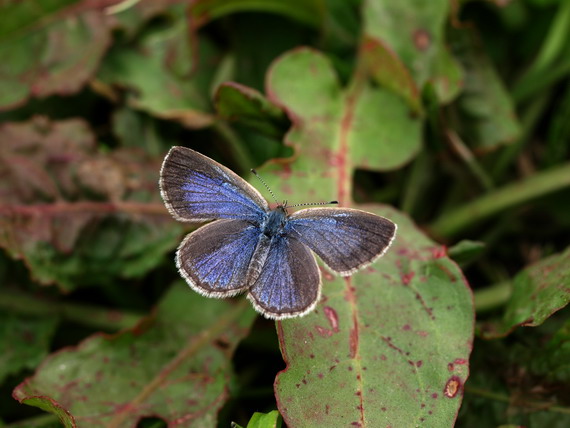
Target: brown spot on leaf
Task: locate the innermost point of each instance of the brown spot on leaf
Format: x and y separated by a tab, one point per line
422	39
452	387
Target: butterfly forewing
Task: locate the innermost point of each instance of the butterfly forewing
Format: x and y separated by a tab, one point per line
196	188
345	239
215	259
289	284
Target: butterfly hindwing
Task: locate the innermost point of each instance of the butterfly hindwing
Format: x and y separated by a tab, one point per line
345	239
215	259
196	188
289	284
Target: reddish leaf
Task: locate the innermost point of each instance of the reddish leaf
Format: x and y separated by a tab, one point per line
50	48
63	202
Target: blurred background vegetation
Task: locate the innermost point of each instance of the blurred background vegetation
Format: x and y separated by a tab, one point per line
94	93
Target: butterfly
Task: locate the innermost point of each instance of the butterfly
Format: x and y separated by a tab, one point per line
252	248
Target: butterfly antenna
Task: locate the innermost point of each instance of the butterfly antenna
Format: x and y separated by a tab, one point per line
313	204
254	172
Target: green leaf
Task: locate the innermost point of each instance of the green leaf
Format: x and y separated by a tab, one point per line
552	361
390	344
175	366
24	342
76	216
488	117
466	251
305	11
49	47
538	291
404	48
265	420
373	122
247	106
167	73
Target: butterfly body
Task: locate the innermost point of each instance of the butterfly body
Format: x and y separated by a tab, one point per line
276	220
251	248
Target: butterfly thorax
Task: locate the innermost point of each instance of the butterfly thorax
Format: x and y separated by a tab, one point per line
276	219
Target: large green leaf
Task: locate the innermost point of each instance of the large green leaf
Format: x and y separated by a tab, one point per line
50	47
368	127
175	366
538	292
389	345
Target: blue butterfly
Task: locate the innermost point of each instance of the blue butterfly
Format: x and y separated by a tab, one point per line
252	248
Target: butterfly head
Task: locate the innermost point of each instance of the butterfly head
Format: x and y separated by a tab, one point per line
276	220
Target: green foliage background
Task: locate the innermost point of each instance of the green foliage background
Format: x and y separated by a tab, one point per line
450	117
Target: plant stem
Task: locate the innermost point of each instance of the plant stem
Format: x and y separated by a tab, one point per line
492	297
89	315
470	161
452	223
525	404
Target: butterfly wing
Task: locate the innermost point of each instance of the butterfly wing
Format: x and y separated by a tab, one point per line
196	188
345	239
215	259
289	284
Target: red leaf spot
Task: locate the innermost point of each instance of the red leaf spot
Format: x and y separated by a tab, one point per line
406	278
383	409
320	375
434	395
304	381
327	275
406	327
450	367
439	252
460	361
422	39
422	405
349	368
298	385
327	409
383	357
358	393
323	332
312	356
452	387
419	363
332	316
353	341
422	333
